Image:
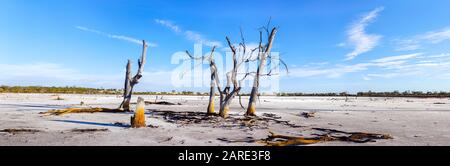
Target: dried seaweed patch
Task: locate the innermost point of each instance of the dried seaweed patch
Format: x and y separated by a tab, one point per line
326	135
15	131
233	121
87	130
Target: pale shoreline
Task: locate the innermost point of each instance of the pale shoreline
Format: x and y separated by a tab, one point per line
411	121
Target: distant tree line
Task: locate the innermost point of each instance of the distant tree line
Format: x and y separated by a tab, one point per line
82	90
375	94
64	90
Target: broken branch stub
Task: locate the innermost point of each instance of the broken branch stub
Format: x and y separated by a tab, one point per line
138	119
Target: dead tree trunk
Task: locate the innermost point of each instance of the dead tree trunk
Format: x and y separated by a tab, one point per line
263	55
129	81
212	91
213	69
127	88
233	84
138	120
227	95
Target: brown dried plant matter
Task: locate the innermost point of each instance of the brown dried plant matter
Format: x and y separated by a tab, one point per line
80	110
329	135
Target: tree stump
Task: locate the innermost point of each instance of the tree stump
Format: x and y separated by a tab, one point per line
138	119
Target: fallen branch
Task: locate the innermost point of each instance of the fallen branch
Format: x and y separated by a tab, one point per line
81	110
358	137
161	103
245	140
328	135
15	131
87	130
282	140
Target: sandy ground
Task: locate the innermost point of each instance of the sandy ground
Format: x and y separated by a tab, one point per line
411	121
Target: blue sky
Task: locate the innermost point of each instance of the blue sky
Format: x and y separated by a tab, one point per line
330	46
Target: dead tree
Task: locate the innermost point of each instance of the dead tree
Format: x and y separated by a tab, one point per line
213	69
263	55
227	94
240	54
130	82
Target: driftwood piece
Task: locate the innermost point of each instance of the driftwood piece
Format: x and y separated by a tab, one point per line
20	130
161	103
80	110
326	135
138	119
329	135
87	130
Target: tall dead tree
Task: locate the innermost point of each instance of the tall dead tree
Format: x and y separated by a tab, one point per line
213	69
130	82
263	54
264	58
227	94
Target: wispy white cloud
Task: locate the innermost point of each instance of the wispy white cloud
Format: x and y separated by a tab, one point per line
443	55
332	72
319	63
198	38
118	37
389	64
418	41
188	34
407	45
169	24
359	38
51	74
437	36
384	75
398	57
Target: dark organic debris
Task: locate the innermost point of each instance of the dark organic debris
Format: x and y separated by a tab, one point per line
15	131
153	126
271	115
325	136
80	110
59	98
161	103
283	140
87	130
213	120
166	140
245	140
307	114
358	137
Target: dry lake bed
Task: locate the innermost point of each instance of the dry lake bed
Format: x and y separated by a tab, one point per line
410	121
